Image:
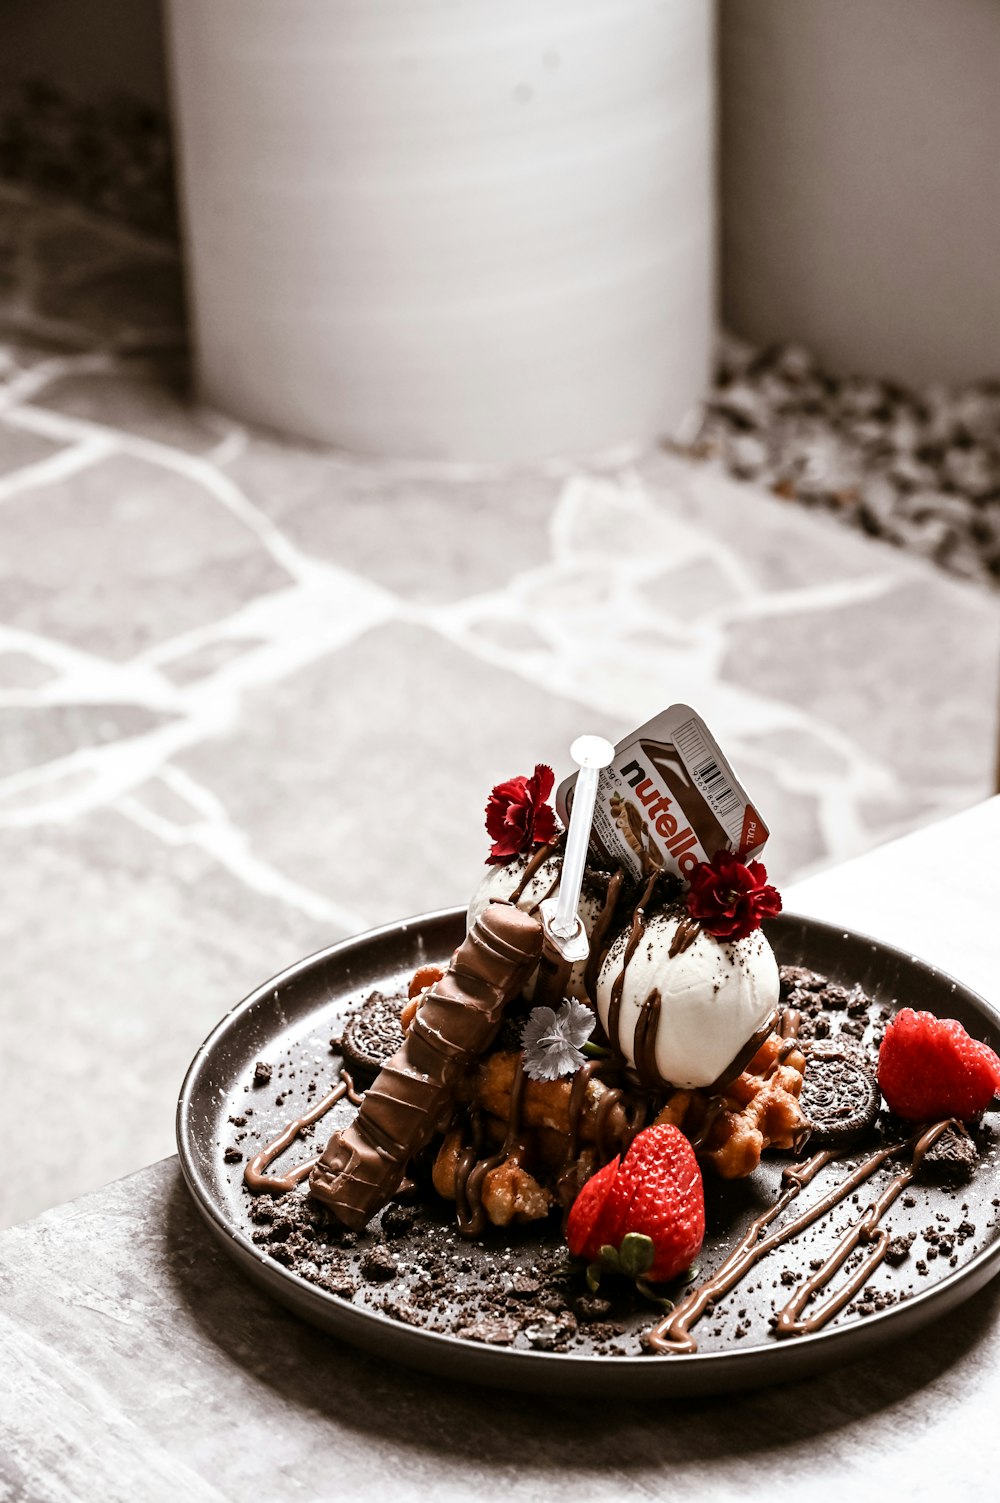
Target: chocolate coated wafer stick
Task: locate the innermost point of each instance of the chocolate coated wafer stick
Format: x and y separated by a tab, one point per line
413	1096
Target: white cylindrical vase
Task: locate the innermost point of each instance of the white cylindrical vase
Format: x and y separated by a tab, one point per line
452	229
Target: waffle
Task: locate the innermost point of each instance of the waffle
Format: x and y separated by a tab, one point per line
758	1110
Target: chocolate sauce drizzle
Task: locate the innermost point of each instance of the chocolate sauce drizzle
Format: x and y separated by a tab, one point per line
553	971
632	944
718	1102
254	1176
472	1167
536	861
472	1170
673	1333
577	1097
599	934
789	1022
739	1063
685	934
644	1040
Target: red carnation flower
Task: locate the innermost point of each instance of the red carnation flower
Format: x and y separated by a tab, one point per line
730	899
518	816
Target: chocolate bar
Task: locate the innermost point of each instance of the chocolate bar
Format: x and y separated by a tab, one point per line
413	1096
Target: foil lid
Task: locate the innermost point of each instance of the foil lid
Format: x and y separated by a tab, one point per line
669	800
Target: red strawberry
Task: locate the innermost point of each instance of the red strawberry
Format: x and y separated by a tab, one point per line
650	1207
588	1229
929	1068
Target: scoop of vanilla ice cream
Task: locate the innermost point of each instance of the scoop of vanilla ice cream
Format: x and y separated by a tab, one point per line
503	881
714	997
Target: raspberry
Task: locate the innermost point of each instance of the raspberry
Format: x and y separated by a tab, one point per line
930	1068
655	1193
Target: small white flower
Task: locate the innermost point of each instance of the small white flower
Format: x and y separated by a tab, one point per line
553	1041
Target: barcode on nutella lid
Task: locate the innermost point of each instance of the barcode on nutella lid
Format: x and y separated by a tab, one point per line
669	800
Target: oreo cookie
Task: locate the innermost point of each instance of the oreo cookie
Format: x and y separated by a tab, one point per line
372	1035
840	1097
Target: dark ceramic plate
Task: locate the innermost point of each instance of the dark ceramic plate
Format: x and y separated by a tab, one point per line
288	1022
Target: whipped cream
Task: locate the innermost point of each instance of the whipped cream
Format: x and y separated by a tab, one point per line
713	998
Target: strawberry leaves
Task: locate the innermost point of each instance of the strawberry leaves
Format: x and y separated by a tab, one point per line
633	1260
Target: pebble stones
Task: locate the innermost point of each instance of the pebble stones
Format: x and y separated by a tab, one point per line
920	469
372	1036
840	1097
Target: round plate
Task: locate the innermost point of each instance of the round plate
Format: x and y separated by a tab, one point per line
292	1017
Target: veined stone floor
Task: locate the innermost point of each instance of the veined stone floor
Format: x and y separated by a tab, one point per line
254	694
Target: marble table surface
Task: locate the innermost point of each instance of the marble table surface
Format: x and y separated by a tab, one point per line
139	1363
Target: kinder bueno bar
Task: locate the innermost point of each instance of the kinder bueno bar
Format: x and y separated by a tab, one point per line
669	800
413	1096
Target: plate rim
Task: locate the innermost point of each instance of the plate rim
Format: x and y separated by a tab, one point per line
506	1367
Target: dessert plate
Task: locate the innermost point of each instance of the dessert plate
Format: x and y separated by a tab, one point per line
288	1023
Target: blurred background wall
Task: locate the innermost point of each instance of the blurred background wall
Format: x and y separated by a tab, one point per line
90	48
860	181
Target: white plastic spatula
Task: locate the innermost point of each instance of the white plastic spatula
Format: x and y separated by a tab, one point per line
560	917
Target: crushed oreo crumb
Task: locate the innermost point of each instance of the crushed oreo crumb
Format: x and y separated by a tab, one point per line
951	1160
378	1264
397	1220
898	1249
591	1308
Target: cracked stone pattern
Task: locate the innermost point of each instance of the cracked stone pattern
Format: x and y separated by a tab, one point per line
20	449
253	694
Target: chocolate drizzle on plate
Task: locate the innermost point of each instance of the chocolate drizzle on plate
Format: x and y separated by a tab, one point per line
673	1333
254	1176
